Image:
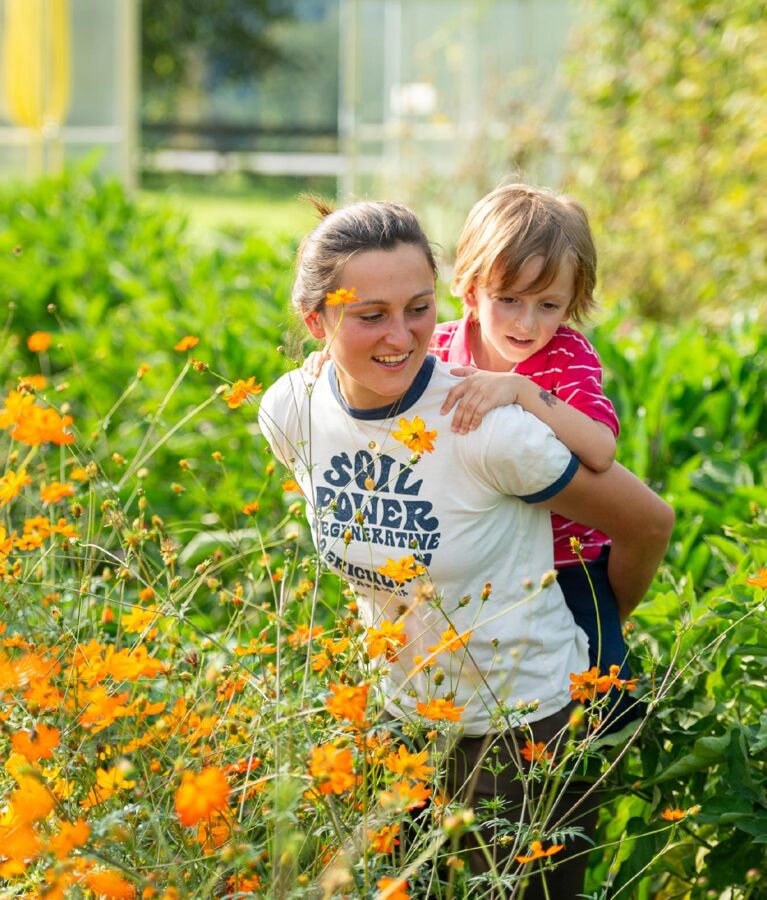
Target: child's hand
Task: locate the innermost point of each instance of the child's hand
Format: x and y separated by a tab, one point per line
314	362
477	394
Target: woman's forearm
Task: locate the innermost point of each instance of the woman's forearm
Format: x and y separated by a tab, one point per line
634	517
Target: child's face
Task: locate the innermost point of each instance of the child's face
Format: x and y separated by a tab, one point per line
515	323
379	343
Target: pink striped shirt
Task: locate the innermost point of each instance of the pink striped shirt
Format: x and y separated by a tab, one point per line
569	368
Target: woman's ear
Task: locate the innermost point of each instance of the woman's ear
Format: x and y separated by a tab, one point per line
315	326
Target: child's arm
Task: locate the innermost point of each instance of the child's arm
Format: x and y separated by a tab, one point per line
315	361
591	441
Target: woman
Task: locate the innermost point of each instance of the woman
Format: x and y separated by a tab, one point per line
471	509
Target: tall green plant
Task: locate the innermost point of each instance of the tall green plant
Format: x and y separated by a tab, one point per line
669	149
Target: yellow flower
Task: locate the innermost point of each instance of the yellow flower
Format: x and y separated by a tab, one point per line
341	297
11	483
415	436
405	569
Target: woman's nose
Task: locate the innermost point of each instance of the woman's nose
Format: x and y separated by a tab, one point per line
398	331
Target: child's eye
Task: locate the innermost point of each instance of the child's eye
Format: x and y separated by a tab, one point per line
371	317
506	299
420	309
549	307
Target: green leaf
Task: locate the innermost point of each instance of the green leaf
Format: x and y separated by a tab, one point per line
705	752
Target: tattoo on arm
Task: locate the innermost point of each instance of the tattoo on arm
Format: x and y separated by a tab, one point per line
548	399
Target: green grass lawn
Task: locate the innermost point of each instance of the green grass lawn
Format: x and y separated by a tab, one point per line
270	206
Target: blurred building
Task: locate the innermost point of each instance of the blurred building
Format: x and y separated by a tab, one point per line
400	98
396	98
68	85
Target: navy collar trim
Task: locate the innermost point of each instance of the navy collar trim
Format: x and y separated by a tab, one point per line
411	396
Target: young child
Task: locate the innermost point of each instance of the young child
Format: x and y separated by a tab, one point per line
525	265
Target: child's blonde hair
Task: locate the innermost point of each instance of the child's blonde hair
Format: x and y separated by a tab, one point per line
516	222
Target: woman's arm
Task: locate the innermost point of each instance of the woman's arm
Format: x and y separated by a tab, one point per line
591	441
637	520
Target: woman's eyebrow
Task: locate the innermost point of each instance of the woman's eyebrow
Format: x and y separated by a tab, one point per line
368	300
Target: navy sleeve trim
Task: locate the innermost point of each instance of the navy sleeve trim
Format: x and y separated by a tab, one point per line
564	479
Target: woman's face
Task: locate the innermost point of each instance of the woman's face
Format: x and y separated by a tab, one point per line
379	343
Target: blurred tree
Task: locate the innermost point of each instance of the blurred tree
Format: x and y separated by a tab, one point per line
228	38
669	151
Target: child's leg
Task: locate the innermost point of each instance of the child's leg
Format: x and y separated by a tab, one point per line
601	622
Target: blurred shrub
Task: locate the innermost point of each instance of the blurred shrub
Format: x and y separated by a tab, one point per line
693	411
118	286
669	150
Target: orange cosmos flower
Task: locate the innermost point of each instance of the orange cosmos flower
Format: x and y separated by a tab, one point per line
583	685
199	796
348	702
186	343
536	752
403	570
33	382
251	508
451	641
146	594
414	435
40	426
36	744
39	341
71	836
674	815
301	636
31	801
108	883
409	765
11	484
440	709
213	832
240	391
56	491
291	486
586	685
341	297
385	640
385	839
403	796
759	580
392	889
332	766
537	852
